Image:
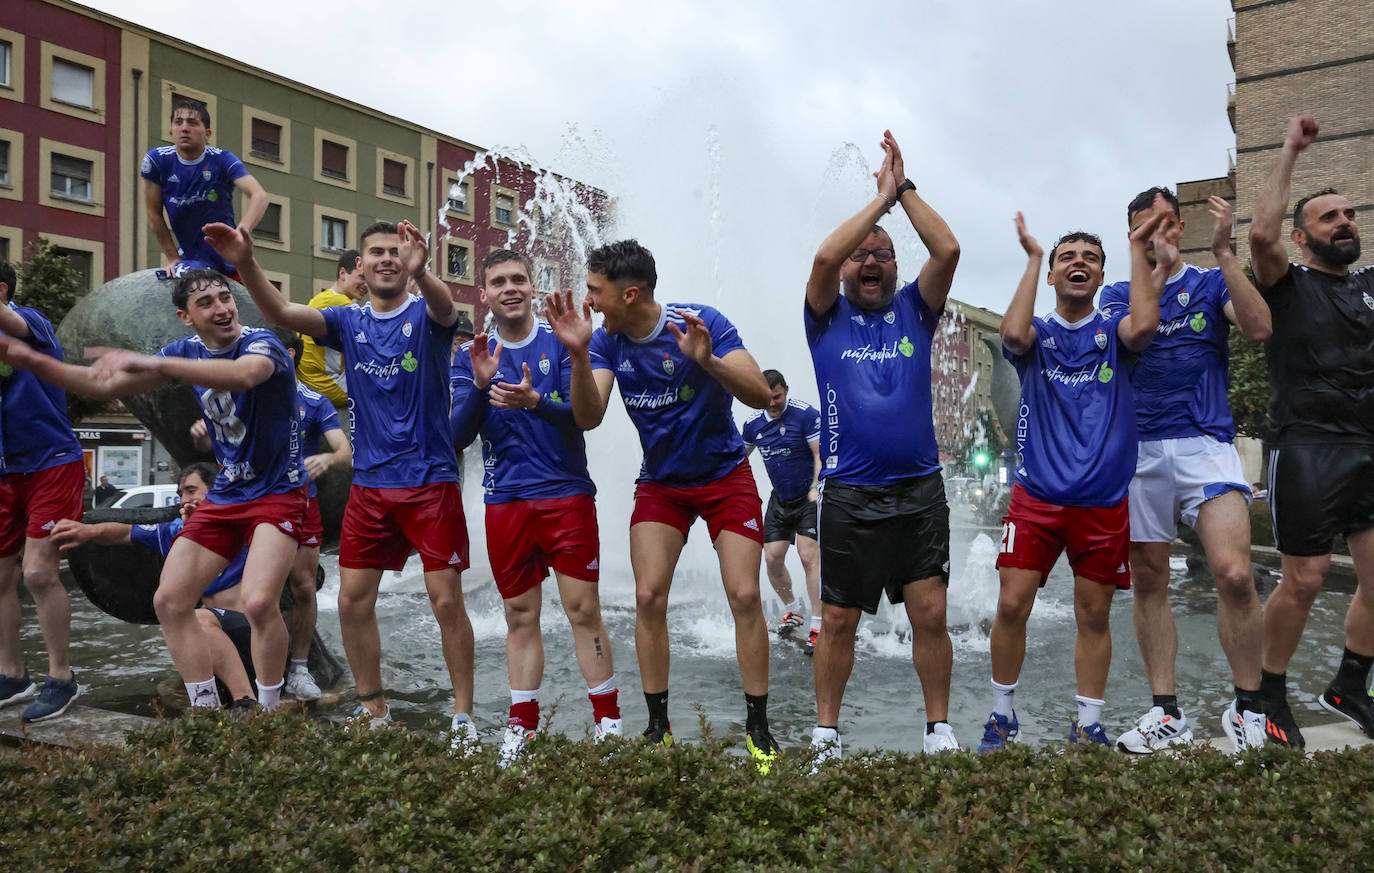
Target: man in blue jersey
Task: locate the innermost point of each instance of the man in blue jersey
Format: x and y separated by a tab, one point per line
195	182
42	480
1188	468
884	523
1076	442
678	366
405	482
244	383
787	434
512	388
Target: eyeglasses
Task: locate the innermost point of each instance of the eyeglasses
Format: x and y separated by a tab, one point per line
882	256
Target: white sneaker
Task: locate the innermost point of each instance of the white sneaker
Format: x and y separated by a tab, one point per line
608	727
361	718
1245	730
462	738
825	743
300	684
941	739
1155	732
513	744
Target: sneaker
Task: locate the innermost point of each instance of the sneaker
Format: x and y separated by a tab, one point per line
608	727
1280	728
300	684
513	744
16	689
811	641
244	704
790	622
825	746
1357	706
1246	729
999	731
53	700
762	748
659	733
463	740
1088	735
1156	731
361	718
941	739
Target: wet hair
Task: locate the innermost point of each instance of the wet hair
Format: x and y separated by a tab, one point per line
348	262
193	281
295	344
195	106
1079	236
8	278
1146	198
627	260
505	256
774	378
1302	204
375	228
205	470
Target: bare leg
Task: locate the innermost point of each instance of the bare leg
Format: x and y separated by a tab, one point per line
1008	637
582	603
1359	619
1092	653
264	574
932	653
361	639
654	550
50	599
524	642
186	573
224	656
445	589
1285	613
1154	617
1224	525
303	569
834	660
739	571
810	553
775	559
11	658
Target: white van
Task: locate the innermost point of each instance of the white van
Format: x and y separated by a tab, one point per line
143	496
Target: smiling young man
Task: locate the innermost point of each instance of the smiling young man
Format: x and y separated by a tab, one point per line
1321	416
679	367
512	388
1076	447
195	183
246	387
405	482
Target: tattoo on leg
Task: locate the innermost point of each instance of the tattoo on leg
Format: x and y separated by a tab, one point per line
597	642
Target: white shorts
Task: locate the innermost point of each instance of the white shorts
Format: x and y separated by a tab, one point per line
1173	478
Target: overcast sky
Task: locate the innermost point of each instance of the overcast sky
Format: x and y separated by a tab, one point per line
737	135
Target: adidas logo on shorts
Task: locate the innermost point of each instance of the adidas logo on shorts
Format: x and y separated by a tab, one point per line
595	564
49	526
454	560
286	526
313	541
751	524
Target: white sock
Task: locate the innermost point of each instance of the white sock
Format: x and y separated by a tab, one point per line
1002	702
794	606
824	735
269	696
815	622
523	696
604	688
300	664
1089	710
203	693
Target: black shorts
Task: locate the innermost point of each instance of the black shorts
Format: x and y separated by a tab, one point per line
236	628
785	519
1318	491
882	538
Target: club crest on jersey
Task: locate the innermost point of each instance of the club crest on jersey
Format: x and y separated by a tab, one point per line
890	317
544	364
205	174
1368	301
667	364
782	430
1183	298
406	328
1100	339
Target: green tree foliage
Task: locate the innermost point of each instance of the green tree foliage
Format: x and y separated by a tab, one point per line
48	283
1249	392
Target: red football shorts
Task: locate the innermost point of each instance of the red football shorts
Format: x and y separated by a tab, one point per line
382	525
312	526
729	503
527	537
1097	538
225	528
32	503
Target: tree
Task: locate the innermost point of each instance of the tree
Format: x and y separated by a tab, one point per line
1249	392
48	283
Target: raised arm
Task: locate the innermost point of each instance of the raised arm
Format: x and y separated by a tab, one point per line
1137	329
1247	309
938	273
72	378
256	207
1268	254
471	402
414	254
736	370
823	286
235	245
1018	325
152	207
591	389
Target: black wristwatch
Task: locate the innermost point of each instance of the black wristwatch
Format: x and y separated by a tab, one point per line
907	185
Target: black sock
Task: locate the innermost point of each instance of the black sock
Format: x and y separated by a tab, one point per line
1274	687
658	707
1353	674
756	711
1168	703
1248	701
930	725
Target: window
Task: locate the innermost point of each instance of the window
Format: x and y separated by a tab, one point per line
458	196
6	53
546	275
270	225
333	159
457	261
393	177
543	222
81	263
4	162
71	178
266	142
73	84
333	234
5	248
503	209
275	283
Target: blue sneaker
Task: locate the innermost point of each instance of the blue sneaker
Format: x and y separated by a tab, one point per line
16	689
1093	733
999	731
53	700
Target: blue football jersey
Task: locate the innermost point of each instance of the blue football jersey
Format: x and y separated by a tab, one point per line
398	399
316	416
784	443
159	538
35	433
255	433
1181	380
195	194
681	412
1075	429
532	454
873	372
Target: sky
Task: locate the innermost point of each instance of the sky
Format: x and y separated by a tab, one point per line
736	136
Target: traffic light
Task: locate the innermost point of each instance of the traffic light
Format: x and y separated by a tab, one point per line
981	458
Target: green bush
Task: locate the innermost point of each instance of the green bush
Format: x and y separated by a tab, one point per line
224	793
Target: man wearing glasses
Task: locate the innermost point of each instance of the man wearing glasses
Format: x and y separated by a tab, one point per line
884	521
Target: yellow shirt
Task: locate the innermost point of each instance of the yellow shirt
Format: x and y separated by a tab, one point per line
321	368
